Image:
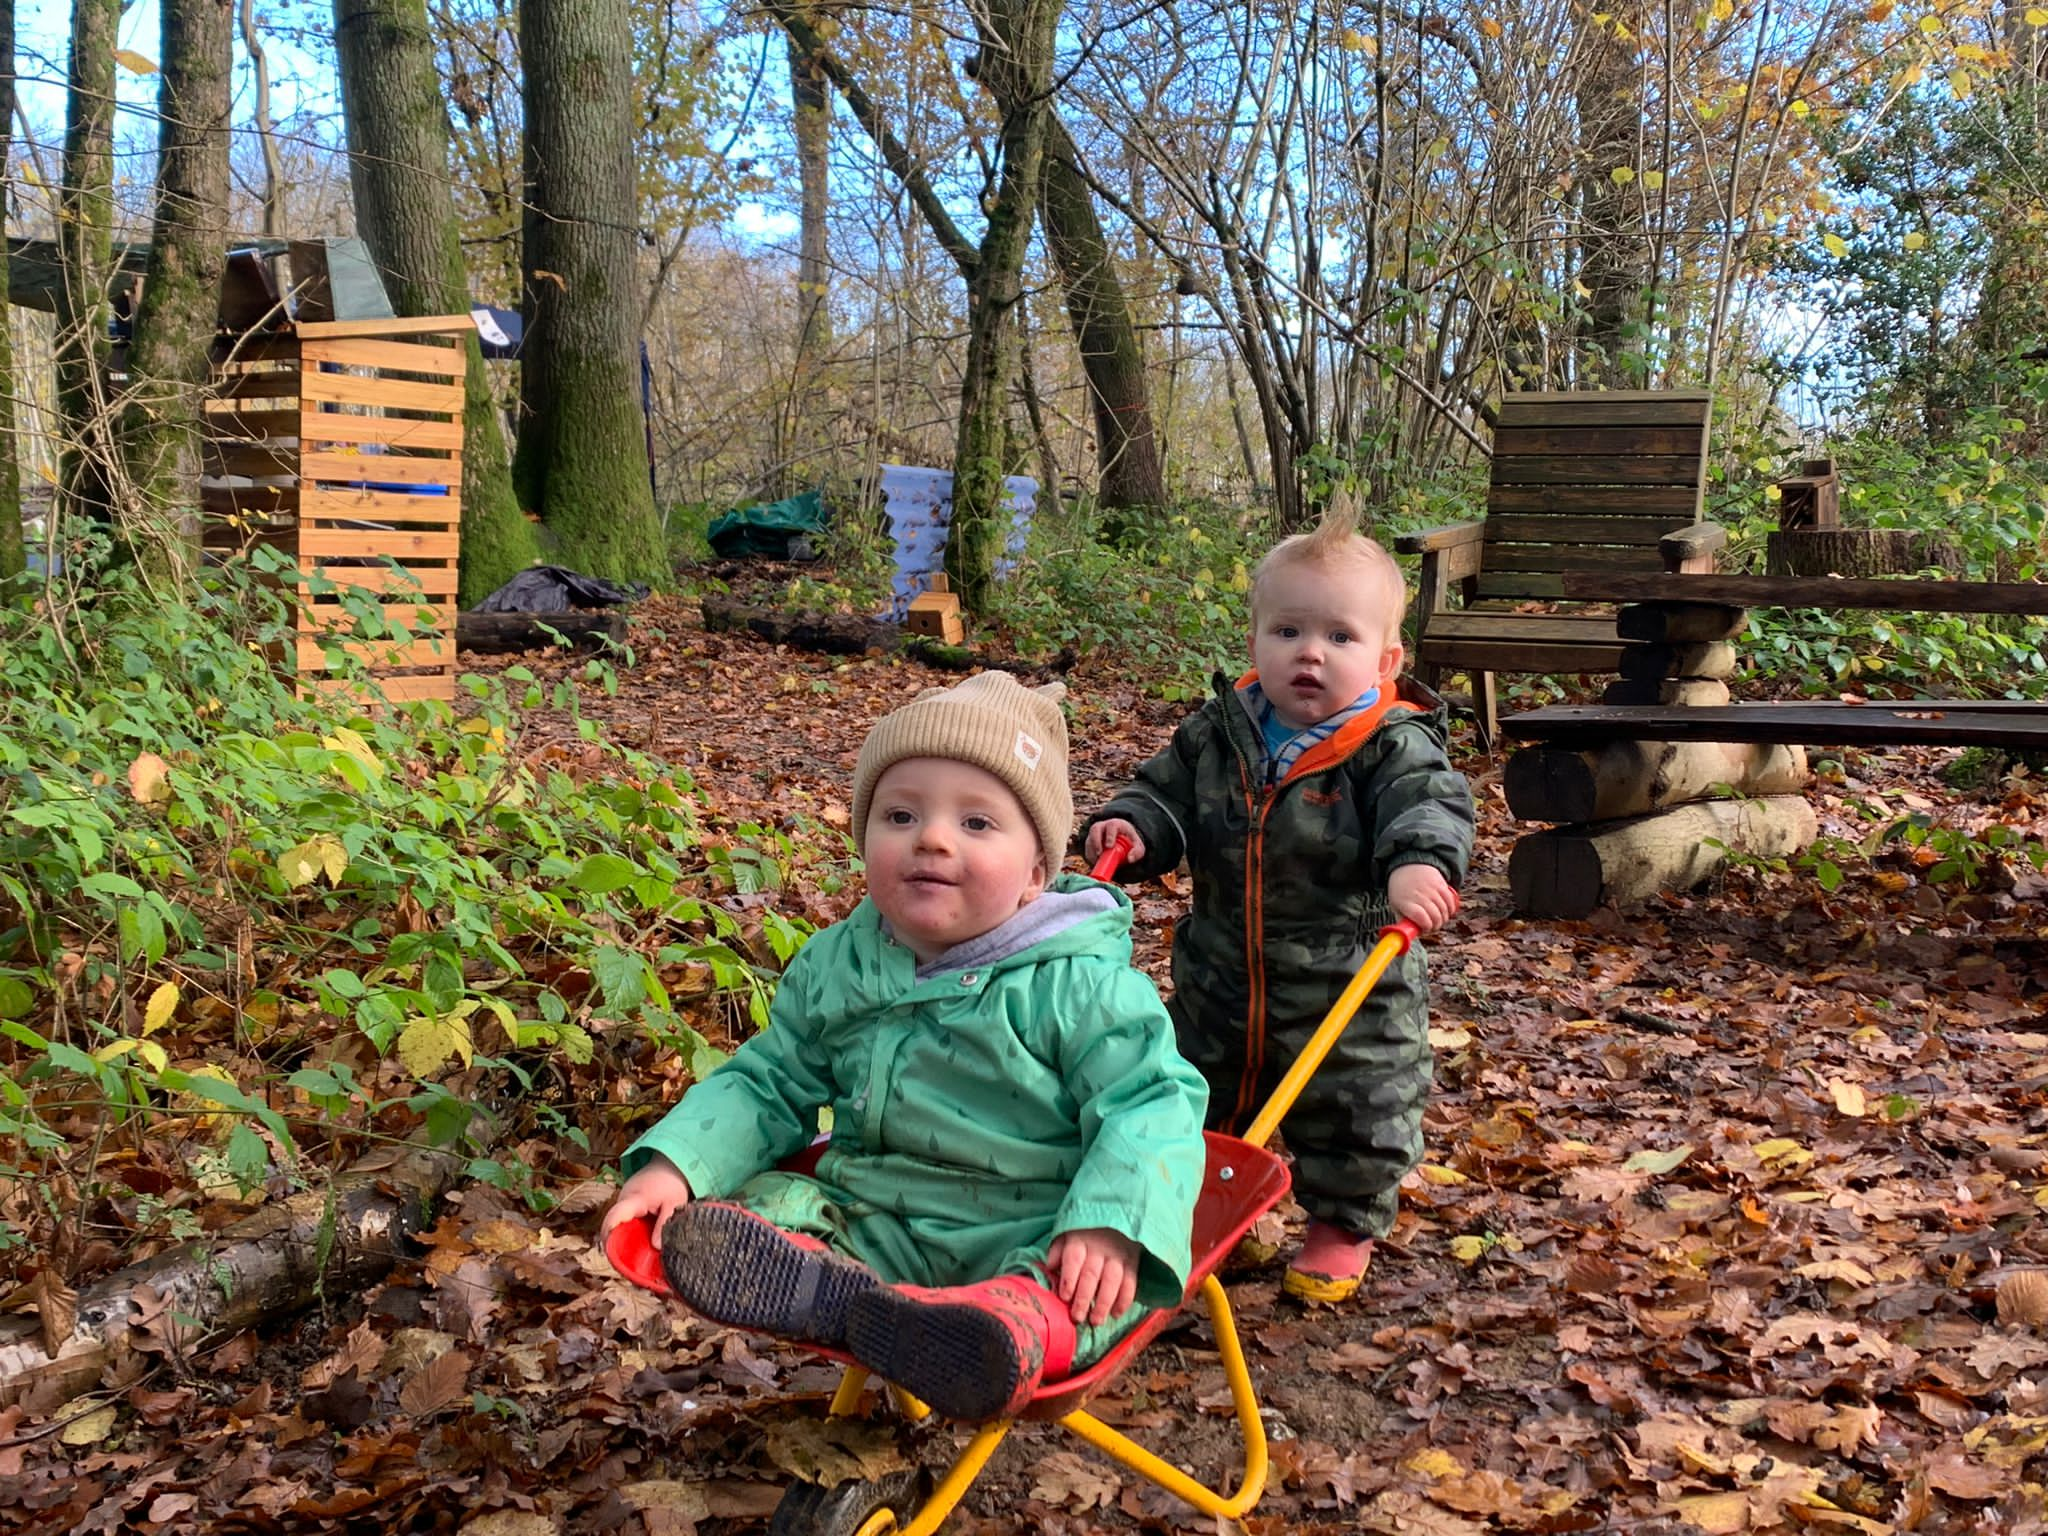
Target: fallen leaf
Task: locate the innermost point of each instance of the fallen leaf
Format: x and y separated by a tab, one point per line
440	1384
1078	1482
89	1428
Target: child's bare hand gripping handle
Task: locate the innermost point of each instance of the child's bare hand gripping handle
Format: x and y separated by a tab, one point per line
1419	894
1103	836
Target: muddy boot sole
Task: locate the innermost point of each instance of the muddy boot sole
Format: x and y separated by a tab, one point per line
729	1265
958	1358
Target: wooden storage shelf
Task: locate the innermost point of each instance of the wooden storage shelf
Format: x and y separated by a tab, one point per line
340	443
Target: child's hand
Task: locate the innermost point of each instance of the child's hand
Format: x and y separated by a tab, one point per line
1095	1272
1421	895
657	1190
1103	833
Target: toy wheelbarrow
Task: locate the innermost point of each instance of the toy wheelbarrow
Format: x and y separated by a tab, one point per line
1241	1181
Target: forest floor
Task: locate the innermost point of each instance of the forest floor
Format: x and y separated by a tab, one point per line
1718	1199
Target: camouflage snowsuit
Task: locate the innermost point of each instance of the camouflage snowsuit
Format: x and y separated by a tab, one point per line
1290	894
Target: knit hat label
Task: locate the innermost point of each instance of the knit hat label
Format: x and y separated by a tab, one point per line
1029	750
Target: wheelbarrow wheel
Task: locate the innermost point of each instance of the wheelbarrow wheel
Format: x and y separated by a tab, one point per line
847	1509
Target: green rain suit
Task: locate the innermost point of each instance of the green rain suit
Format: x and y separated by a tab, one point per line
1290	894
977	1113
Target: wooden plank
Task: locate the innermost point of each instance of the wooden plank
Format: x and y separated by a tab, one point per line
417	325
1588	469
435	582
1570	557
1941	722
1521	656
321	507
1536	528
317	426
1520	586
434	650
254	348
263	459
419	685
399	394
322	614
1603	409
1494	624
405	357
1678	503
404	546
1525	441
248	500
229	421
271	384
383	468
2008	597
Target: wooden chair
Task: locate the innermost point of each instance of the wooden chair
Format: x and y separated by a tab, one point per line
1604	481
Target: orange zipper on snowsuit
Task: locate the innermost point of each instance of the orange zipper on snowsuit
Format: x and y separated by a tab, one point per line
1323	755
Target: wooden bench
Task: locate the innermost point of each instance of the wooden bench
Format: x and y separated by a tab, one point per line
1608	481
1629	780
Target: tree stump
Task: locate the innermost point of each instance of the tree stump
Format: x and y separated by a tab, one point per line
1572	871
1857	552
1629	778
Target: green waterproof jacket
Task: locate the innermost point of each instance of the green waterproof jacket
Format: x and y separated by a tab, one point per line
976	1113
1290	879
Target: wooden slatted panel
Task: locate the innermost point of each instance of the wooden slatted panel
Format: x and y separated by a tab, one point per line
1515	528
394	356
252	459
328	612
438	650
269	384
384	468
432	685
405	547
1679	442
397	394
226	418
1676	503
316	426
1613	407
323	507
1598	469
434	582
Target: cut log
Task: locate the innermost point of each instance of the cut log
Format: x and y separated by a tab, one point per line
585	628
843	634
1654	663
1680	623
1857	552
280	1260
1690	692
1629	778
1573	871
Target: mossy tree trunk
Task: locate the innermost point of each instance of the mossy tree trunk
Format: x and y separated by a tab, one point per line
85	241
174	324
1016	64
1127	445
12	558
811	95
398	172
582	459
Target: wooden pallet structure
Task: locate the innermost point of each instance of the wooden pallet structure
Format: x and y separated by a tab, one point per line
339	442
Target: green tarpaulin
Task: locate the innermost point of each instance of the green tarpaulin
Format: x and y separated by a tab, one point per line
767	530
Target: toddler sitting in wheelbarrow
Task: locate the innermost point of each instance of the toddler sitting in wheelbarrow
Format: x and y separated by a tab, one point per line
1016	1144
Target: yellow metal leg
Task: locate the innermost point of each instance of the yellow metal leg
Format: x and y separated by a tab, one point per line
953	1488
1121	1447
846	1399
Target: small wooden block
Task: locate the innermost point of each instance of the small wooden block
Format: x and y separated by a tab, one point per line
936	614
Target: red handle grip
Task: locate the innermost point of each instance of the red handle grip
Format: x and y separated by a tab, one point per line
1106	864
1408	933
631	1249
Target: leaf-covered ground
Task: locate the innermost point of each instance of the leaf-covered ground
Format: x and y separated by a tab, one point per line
1721	1202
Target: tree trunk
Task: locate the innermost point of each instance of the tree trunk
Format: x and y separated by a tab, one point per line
398	172
1016	64
12	555
1571	871
1628	778
1126	445
85	240
1854	552
278	1261
1613	256
582	459
811	95
495	632
275	219
174	323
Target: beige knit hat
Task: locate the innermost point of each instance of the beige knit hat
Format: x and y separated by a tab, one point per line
994	722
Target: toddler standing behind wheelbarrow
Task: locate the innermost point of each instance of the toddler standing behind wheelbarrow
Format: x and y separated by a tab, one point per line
1016	1145
1314	804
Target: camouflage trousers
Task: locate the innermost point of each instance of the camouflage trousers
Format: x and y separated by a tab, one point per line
1356	1130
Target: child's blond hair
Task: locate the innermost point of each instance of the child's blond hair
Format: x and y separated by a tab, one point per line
1333	544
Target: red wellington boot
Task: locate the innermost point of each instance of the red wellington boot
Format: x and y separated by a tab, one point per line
1330	1265
973	1352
